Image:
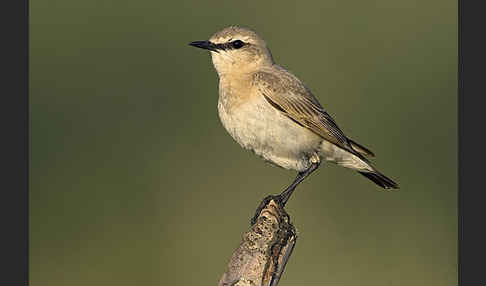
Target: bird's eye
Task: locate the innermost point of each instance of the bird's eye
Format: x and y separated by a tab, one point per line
237	44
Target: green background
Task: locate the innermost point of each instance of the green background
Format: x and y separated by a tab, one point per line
134	181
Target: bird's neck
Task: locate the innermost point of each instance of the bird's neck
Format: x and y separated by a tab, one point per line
235	89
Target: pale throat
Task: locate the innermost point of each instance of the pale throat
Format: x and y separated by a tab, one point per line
235	89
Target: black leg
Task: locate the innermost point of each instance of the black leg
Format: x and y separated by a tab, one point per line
285	195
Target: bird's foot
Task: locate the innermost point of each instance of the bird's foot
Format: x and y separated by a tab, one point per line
263	204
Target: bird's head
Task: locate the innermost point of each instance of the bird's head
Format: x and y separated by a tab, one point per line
236	49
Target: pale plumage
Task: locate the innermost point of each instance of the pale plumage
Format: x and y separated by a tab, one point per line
269	111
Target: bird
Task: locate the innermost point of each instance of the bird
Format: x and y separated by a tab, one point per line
271	112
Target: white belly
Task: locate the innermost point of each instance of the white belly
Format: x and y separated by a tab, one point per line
259	127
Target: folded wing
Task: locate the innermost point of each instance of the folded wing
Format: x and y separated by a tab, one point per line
287	94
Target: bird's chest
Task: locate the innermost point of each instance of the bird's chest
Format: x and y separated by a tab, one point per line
259	127
246	121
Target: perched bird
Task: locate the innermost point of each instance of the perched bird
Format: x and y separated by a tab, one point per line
269	111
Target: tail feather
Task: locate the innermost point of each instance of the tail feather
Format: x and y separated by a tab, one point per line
380	179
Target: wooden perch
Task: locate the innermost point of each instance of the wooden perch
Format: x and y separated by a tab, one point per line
264	249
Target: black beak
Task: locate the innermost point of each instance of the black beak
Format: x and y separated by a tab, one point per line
207	45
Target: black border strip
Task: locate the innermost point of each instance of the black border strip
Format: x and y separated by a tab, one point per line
471	145
14	118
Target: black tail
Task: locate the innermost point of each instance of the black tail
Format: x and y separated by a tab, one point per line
380	179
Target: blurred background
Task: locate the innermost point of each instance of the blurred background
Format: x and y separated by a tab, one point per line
134	181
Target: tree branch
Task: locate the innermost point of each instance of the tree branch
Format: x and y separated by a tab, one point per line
264	249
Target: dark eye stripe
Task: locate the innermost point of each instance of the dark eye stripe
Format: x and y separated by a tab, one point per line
230	45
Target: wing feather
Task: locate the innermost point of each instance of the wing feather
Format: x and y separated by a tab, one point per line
289	95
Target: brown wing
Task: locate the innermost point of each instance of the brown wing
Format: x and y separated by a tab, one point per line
286	93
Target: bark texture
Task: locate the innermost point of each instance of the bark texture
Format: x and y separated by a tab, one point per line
264	250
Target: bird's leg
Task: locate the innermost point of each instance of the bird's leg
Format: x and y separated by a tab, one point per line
285	195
